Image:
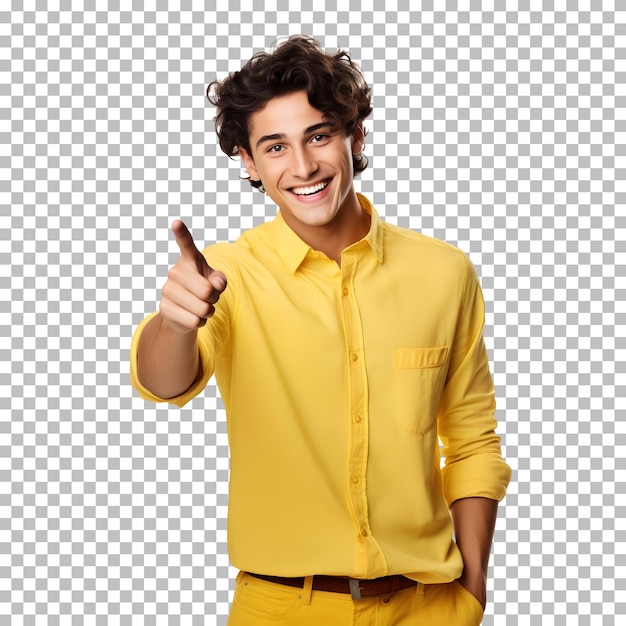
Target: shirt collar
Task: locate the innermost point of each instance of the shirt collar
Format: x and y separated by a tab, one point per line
375	234
292	250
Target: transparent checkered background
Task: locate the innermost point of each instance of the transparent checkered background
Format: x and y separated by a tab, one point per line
498	127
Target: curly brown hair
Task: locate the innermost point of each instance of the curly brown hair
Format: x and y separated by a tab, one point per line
333	82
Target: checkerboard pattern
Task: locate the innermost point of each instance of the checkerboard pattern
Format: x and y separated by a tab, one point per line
499	127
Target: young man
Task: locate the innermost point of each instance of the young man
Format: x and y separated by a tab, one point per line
344	349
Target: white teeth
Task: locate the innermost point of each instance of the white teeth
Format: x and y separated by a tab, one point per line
307	191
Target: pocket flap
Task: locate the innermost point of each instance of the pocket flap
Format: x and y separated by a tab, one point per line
409	358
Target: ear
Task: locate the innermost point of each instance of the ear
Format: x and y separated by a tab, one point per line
248	163
358	139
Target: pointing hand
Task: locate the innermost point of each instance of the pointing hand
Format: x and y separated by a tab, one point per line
192	287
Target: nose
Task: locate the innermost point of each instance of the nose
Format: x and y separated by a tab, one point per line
303	163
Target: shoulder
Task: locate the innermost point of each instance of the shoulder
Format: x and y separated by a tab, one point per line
406	243
232	257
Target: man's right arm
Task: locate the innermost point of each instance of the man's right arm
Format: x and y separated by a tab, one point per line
168	361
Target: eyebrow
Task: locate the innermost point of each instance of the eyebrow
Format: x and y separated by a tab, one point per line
281	136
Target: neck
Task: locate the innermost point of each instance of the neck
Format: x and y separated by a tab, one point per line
350	225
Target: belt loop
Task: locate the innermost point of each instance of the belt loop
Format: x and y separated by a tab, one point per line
307	590
420	590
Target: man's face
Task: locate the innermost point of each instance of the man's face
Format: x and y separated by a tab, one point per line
305	167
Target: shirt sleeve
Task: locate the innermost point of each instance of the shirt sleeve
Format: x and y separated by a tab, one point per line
473	460
213	339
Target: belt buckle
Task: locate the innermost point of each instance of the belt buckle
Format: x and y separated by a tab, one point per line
355	588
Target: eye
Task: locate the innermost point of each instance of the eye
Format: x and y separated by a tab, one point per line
276	148
318	138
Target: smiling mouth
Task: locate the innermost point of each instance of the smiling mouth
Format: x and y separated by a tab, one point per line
311	190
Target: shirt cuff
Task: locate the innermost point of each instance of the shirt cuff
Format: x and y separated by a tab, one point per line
481	476
145	393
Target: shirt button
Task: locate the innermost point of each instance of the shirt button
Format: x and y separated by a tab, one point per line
345	291
357	419
354	356
364	532
355	479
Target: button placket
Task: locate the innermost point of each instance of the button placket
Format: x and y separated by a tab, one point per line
357	461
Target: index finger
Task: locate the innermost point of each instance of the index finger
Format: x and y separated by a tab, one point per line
185	240
188	249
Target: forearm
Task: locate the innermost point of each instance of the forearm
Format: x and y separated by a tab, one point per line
168	361
474	522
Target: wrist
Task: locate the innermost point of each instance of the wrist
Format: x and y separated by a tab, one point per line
476	584
475	577
175	329
474	567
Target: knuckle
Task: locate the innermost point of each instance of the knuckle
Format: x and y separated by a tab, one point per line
166	290
205	292
164	305
205	311
173	276
167	310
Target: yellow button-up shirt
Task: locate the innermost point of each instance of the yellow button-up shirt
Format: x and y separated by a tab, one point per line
338	383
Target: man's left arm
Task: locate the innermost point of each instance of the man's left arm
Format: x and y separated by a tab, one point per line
474	475
474	522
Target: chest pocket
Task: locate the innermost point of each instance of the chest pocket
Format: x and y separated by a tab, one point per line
418	378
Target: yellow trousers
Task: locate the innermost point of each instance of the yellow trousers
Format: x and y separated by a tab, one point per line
261	603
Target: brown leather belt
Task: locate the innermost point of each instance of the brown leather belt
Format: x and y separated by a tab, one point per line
356	587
